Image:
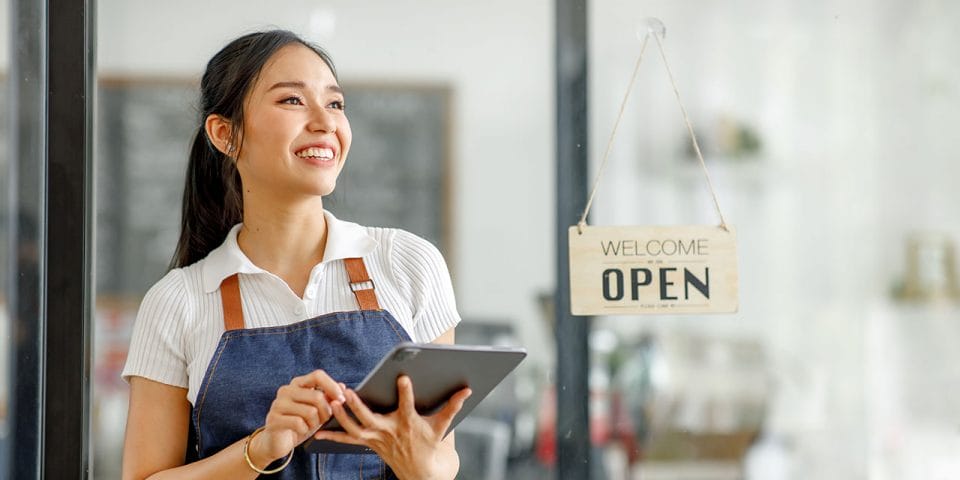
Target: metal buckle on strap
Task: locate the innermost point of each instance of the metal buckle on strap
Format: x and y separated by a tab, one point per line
368	285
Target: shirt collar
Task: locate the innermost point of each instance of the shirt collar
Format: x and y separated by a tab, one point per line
344	240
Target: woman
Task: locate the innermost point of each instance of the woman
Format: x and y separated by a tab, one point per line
236	357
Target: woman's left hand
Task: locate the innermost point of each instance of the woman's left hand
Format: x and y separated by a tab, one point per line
411	444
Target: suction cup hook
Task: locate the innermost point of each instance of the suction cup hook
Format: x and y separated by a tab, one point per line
651	25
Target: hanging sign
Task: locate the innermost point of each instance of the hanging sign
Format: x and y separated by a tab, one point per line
652	270
621	270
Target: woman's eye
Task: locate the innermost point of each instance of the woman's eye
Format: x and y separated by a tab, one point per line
339	105
292	101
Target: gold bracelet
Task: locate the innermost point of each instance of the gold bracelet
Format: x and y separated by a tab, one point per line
246	455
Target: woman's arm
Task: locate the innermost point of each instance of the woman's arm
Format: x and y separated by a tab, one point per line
156	439
158	426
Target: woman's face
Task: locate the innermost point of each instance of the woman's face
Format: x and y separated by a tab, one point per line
295	133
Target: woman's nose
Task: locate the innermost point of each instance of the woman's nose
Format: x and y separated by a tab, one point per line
322	121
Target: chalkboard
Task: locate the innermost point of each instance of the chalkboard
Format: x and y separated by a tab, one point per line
396	173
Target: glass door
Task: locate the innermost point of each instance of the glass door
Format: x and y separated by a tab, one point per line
45	247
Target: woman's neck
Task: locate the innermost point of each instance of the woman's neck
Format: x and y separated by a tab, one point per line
286	240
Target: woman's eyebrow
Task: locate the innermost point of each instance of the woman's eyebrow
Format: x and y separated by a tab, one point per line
295	84
301	85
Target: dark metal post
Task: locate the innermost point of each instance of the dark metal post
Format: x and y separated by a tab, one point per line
70	38
50	220
573	356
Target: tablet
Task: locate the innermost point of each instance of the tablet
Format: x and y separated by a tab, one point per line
437	371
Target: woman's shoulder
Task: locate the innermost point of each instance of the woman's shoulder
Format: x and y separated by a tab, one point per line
399	243
180	285
423	282
411	259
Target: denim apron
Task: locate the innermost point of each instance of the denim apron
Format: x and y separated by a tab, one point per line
250	364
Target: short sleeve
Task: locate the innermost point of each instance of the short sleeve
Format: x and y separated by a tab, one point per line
421	270
156	346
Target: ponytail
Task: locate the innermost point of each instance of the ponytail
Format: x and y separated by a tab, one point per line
212	202
212	195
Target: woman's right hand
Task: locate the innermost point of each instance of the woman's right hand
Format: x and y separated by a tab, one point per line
297	412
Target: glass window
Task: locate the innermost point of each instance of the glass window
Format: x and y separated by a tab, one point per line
22	127
434	118
825	129
451	123
5	232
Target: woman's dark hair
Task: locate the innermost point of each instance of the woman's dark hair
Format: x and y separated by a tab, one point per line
212	196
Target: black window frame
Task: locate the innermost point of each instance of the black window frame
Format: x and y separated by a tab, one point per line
50	215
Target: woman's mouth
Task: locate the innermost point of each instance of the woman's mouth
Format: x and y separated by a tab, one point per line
316	153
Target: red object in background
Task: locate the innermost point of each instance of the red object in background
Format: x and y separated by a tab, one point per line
624	429
603	428
546	445
113	322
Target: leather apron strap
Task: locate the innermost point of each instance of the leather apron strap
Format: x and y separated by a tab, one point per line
360	283
232	307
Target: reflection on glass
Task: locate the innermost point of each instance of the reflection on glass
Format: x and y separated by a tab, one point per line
5	232
421	138
827	132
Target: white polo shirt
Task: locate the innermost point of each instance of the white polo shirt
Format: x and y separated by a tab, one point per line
180	320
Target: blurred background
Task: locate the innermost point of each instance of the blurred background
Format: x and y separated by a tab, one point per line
826	126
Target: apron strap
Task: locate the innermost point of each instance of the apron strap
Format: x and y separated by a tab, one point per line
232	308
361	284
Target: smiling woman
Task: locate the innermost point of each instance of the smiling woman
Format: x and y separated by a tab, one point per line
230	93
236	356
296	134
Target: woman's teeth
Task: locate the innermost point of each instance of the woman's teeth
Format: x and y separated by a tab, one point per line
322	153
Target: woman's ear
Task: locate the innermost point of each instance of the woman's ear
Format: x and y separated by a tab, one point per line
219	130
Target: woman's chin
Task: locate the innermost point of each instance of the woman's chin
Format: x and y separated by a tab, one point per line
327	189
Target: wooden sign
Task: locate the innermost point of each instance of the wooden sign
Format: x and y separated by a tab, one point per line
653	270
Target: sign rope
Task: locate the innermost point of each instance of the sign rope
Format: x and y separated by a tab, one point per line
654	28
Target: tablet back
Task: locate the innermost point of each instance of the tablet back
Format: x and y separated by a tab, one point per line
437	372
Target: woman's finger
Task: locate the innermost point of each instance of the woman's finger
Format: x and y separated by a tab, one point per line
313	398
318	379
349	424
443	418
309	413
363	413
339	437
405	393
292	423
